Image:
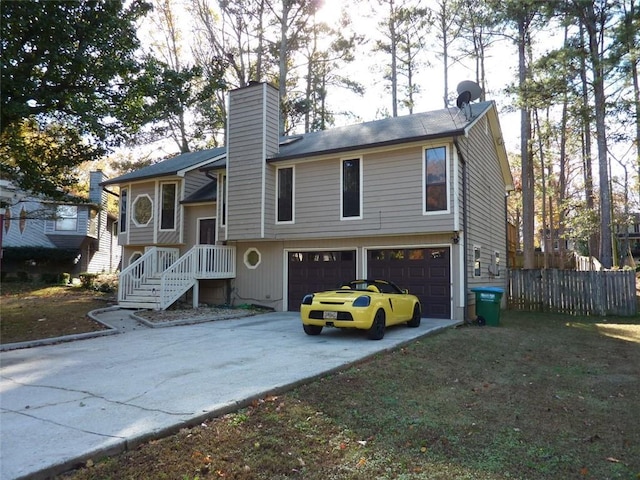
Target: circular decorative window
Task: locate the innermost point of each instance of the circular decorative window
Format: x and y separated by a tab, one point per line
142	210
252	258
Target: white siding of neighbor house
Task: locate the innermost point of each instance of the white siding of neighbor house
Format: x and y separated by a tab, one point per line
253	136
487	207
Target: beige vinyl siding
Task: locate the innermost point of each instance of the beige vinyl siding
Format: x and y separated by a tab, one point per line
261	285
247	147
487	210
193	181
266	284
141	235
392	198
192	215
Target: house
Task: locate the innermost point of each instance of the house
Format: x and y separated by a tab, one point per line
68	236
419	200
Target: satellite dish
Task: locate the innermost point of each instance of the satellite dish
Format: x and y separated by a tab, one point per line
472	87
463	99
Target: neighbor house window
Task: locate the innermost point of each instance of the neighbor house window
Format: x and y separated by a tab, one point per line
67	218
435	179
142	210
477	270
124	195
351	176
285	194
168	212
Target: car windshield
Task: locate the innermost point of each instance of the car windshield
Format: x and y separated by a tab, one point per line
384	287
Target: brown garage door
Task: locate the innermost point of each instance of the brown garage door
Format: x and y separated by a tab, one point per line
425	272
317	271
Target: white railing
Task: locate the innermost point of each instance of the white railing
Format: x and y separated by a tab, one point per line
201	262
149	265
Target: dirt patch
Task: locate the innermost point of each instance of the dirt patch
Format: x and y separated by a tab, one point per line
201	314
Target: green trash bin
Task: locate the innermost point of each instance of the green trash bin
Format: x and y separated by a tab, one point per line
488	301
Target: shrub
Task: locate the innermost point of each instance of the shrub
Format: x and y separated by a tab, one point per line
65	278
23	276
88	280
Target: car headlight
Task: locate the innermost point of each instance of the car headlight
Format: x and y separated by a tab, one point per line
363	301
307	300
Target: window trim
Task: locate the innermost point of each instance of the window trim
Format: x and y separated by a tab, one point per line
447	183
60	217
161	207
360	185
133	211
222	191
477	261
124	204
292	198
247	260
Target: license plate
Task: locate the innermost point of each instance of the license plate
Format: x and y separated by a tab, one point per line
329	315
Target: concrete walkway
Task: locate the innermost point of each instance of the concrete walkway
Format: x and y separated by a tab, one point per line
63	404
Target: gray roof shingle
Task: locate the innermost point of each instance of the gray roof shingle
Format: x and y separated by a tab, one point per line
389	131
170	166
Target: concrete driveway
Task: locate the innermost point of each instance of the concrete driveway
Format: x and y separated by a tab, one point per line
63	404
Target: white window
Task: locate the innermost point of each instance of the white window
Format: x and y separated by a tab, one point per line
67	218
222	199
285	188
124	196
477	267
351	189
435	185
168	206
142	210
252	258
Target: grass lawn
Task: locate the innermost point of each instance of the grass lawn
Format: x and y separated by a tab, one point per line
32	312
541	397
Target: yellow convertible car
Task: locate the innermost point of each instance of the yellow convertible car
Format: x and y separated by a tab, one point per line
370	305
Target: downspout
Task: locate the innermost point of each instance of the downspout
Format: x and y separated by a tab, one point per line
465	252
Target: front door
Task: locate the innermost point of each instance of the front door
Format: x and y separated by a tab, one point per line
207	231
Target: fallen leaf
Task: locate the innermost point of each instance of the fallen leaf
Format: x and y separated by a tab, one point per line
584	471
361	462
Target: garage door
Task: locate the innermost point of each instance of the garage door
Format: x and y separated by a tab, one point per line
317	271
425	272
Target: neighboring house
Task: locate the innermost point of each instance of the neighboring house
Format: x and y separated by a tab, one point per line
418	200
81	231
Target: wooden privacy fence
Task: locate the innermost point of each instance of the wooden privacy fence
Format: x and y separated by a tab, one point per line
573	292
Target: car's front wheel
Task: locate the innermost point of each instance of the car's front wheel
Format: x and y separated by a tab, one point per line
376	332
312	329
415	318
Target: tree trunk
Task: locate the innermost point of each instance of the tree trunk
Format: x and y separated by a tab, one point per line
525	152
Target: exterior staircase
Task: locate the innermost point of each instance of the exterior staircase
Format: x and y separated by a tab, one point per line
161	276
146	295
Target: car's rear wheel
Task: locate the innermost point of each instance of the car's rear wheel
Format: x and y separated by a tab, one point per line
312	329
376	332
415	318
